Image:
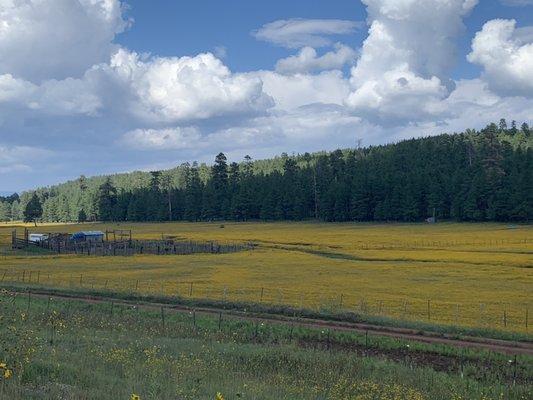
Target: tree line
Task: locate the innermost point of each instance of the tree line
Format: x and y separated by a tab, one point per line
472	176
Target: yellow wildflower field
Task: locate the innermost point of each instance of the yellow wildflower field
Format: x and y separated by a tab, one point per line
465	274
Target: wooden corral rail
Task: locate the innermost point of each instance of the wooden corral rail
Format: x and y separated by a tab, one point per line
122	235
61	243
132	247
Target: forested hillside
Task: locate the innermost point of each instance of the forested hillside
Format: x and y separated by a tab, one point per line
473	176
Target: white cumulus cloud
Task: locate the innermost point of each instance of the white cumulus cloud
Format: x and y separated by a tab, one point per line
173	88
406	59
307	60
44	39
506	55
153	89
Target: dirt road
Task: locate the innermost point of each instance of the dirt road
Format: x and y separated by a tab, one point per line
500	346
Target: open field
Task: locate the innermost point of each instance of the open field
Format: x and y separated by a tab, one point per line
69	349
476	275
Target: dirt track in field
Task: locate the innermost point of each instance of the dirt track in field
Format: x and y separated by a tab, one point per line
499	346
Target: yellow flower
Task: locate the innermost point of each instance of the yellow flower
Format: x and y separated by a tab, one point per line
135	397
8	374
3	365
219	396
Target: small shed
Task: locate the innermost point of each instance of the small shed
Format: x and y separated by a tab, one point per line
88	236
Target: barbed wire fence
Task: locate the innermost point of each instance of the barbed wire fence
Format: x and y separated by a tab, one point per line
490	315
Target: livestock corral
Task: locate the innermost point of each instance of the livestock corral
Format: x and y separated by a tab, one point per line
98	243
473	275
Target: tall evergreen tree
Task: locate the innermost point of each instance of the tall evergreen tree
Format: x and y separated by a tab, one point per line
33	210
475	176
107	200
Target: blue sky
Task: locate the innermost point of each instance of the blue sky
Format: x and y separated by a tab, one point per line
169	28
104	86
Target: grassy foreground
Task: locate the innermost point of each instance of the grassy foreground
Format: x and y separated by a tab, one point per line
475	275
69	349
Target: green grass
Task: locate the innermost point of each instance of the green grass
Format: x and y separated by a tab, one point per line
70	349
279	311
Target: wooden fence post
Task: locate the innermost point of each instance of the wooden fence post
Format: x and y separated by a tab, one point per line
505	318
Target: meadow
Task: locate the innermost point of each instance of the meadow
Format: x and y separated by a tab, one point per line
474	275
57	349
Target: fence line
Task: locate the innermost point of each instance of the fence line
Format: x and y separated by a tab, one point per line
494	315
132	247
440	243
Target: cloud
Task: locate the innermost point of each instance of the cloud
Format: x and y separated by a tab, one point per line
506	55
154	90
15	90
19	158
186	88
260	136
290	92
399	96
55	40
307	60
471	105
163	139
406	58
296	33
65	97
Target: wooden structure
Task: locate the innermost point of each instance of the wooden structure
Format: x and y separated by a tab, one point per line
122	235
62	243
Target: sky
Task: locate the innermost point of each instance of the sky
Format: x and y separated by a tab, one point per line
103	86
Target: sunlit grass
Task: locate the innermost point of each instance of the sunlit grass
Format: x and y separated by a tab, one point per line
464	274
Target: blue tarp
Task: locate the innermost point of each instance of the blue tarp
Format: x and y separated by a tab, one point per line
87	234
